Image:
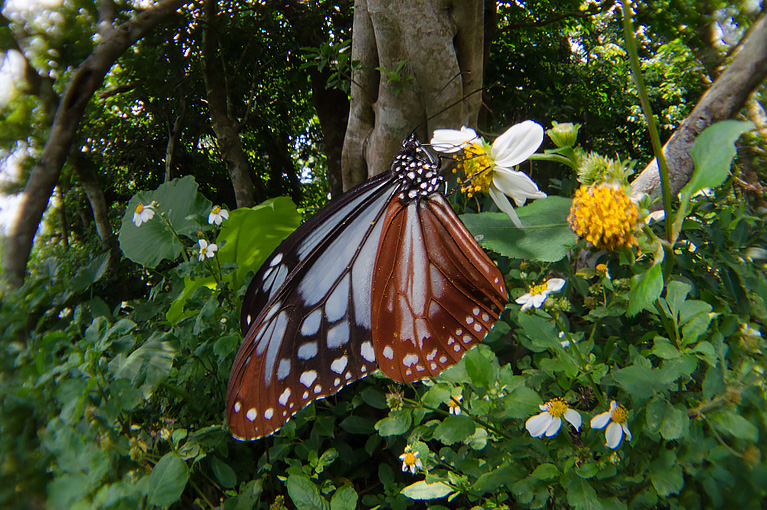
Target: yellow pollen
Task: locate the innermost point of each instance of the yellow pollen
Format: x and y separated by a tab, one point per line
619	415
538	289
216	209
454	401
557	407
139	208
409	459
476	165
602	268
604	215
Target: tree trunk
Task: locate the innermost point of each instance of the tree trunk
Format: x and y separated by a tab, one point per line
439	46
226	127
722	100
87	78
174	132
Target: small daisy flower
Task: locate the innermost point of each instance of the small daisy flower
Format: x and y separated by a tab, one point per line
206	250
454	404
217	215
550	420
615	421
491	166
564	341
410	460
142	214
539	293
604	215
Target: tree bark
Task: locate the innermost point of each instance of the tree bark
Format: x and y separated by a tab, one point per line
174	132
441	45
87	78
224	125
722	100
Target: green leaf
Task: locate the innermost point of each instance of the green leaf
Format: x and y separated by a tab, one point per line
671	422
713	153
150	364
666	475
167	480
397	423
344	498
224	474
454	429
581	495
482	367
422	490
663	349
522	403
247	238
304	494
546	472
545	234
543	333
154	241
645	290
735	425
91	273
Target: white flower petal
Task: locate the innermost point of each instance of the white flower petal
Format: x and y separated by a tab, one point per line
613	407
504	205
452	140
599	421
538	300
574	417
517	144
538	424
554	427
523	300
555	284
613	435
626	431
517	185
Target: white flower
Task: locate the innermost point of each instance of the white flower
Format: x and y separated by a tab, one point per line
615	421
410	460
217	215
206	250
510	149
142	214
550	420
454	404
539	293
565	343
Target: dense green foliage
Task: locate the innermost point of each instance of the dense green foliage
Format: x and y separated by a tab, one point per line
112	379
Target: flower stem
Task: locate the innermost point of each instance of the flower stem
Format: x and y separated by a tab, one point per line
631	48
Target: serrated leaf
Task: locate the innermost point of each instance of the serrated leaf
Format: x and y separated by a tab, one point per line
423	491
663	349
645	290
671	422
454	429
304	494
581	495
167	480
344	498
545	234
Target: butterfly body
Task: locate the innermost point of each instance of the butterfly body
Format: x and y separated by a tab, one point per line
384	277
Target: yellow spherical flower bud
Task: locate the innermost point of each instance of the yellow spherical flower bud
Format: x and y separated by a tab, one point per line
604	215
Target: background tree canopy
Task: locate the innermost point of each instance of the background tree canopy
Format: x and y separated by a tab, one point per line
116	353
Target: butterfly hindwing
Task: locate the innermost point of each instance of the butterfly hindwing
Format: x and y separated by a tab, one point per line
436	294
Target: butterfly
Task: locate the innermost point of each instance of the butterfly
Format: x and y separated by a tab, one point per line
385	277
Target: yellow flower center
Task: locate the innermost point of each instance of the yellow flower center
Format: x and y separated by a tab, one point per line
557	407
619	415
410	458
216	209
602	268
475	166
604	215
139	208
454	401
538	289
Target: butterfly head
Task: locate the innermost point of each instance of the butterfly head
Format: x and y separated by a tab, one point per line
416	170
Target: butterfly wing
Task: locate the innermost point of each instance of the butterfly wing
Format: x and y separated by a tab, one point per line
301	244
313	334
436	293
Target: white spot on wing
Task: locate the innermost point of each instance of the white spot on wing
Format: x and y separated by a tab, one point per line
283	369
367	351
251	414
269	413
338	335
276	260
339	364
311	323
388	352
409	359
335	307
237	407
308	377
307	351
285	396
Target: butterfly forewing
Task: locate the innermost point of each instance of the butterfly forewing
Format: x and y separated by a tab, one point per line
313	335
304	241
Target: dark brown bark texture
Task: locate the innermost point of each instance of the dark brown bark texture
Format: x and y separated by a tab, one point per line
723	100
441	45
87	78
225	126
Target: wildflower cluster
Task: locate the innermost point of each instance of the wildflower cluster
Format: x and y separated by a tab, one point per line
605	216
